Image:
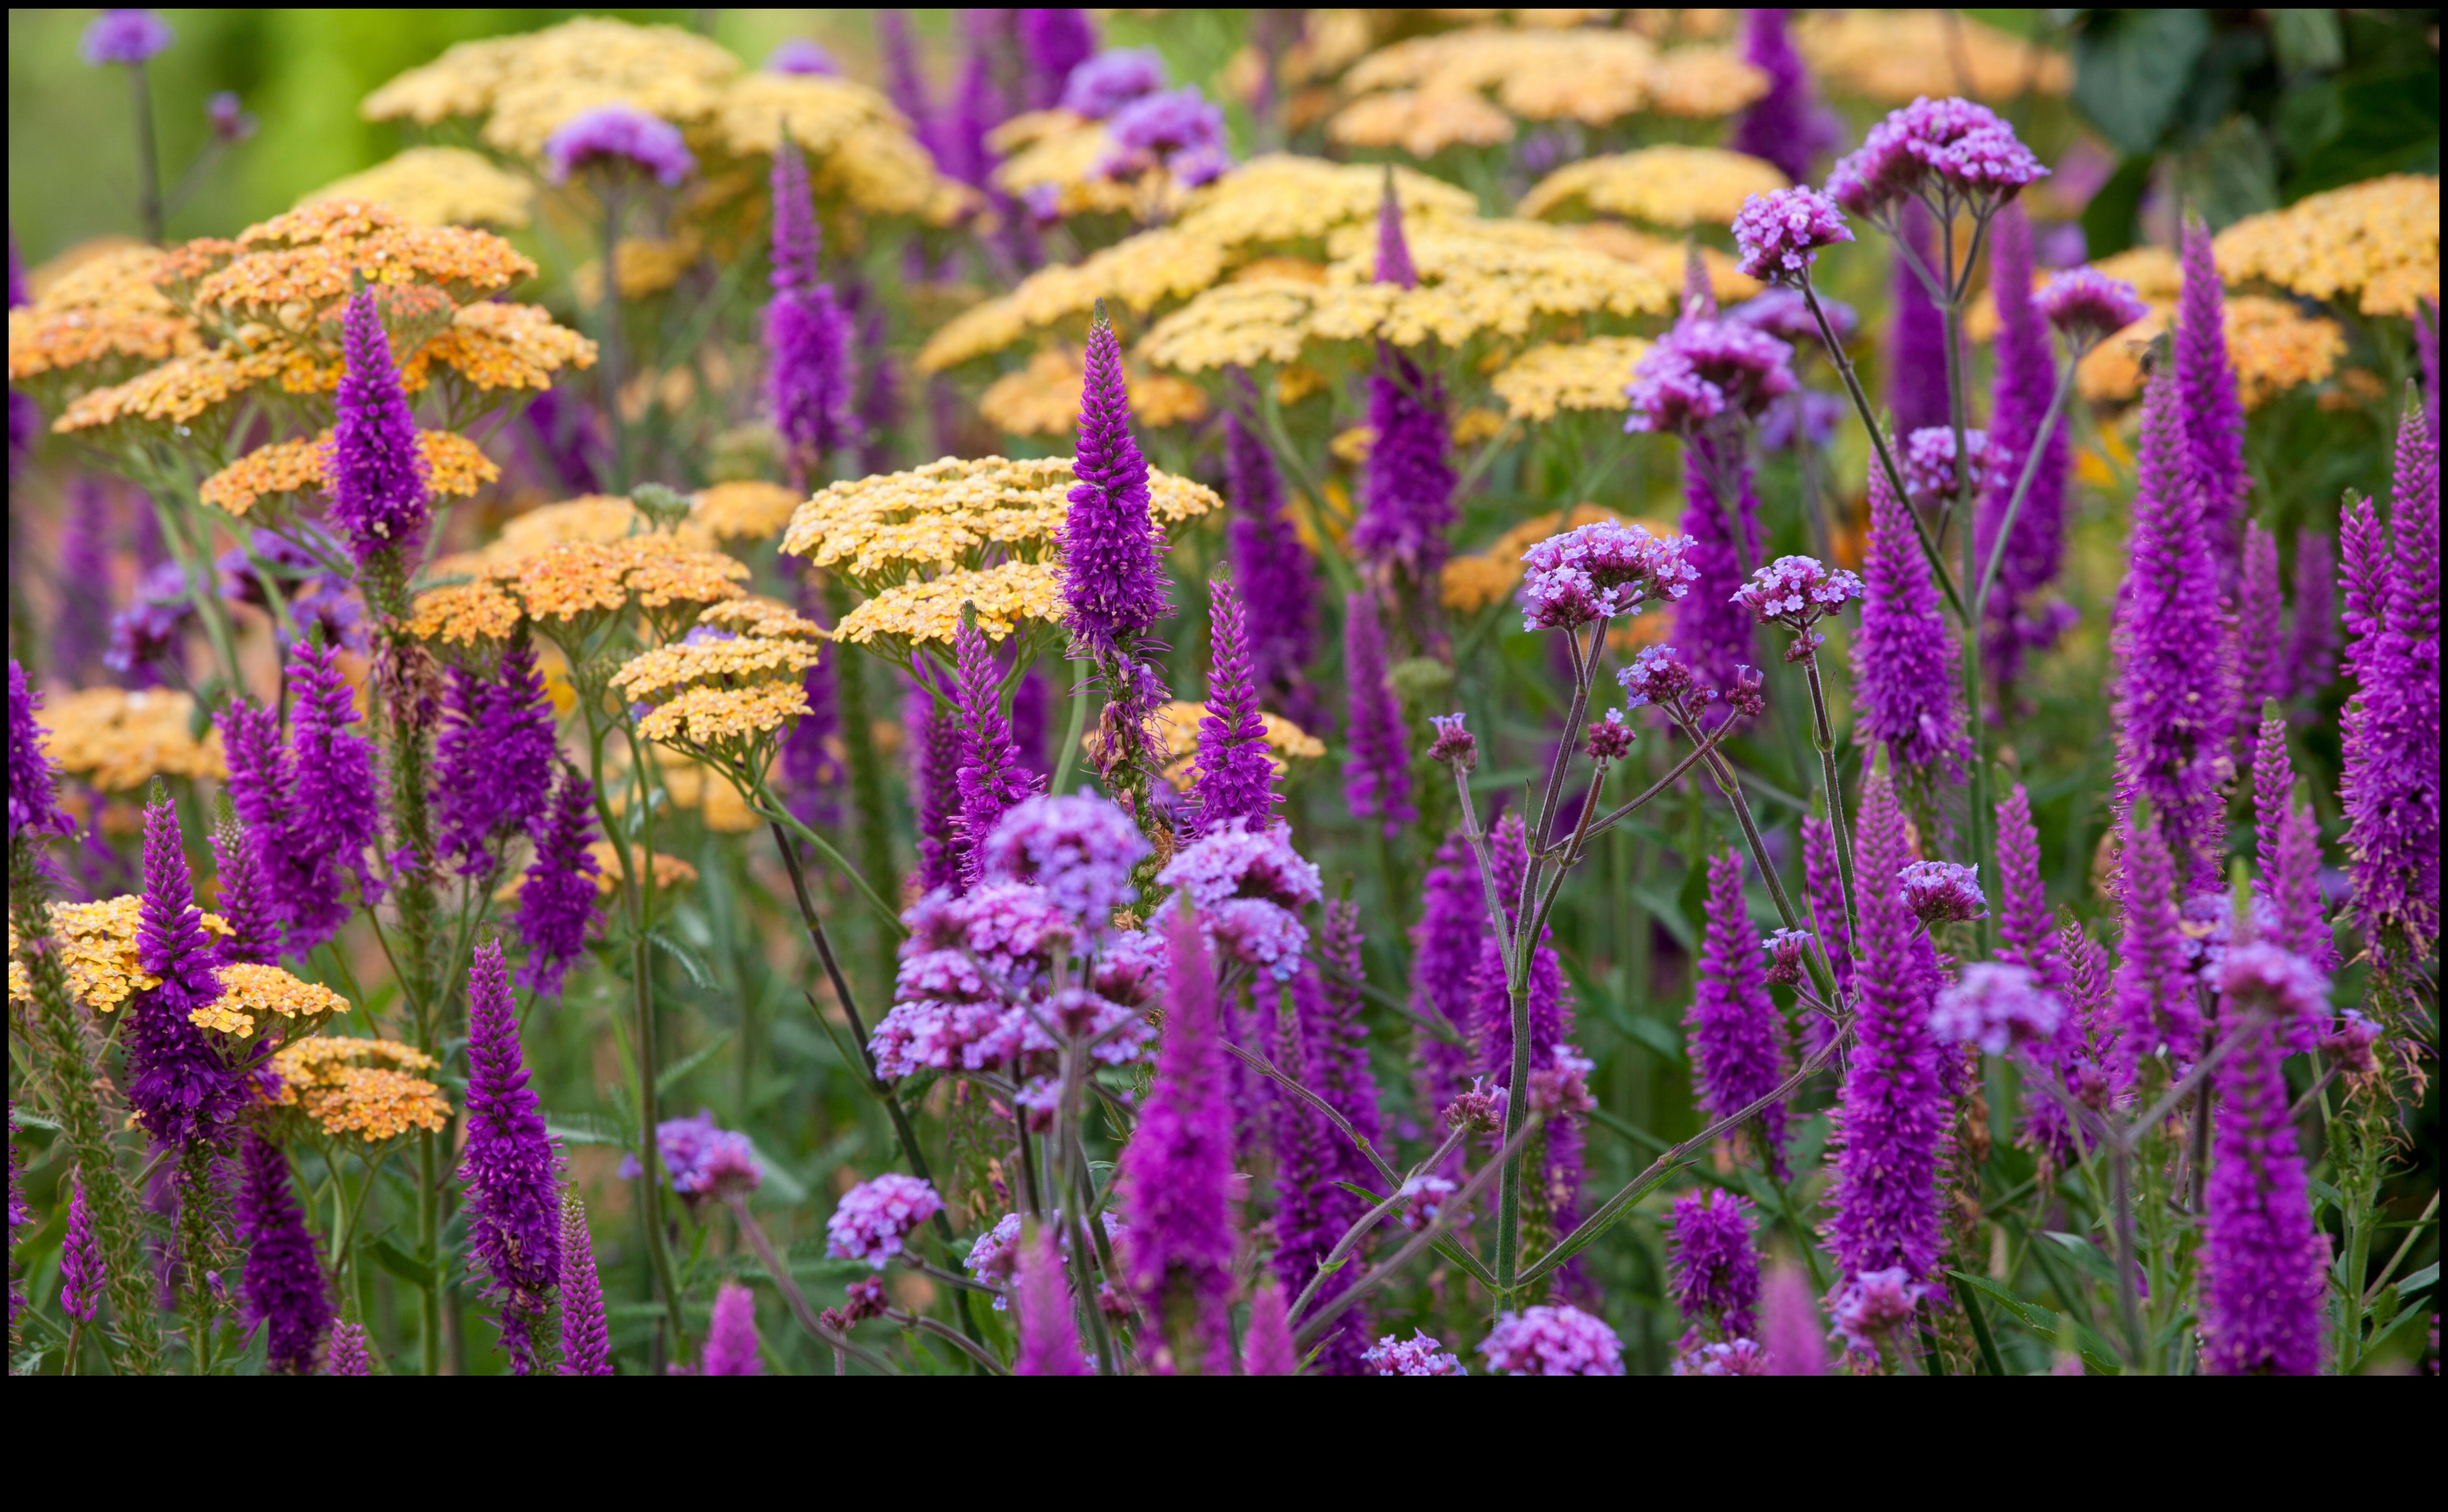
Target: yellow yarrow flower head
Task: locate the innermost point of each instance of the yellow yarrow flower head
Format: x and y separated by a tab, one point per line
1892	57
1574	375
439	186
95	323
347	1085
119	739
1043	399
250	991
1672	186
1176	726
97	947
2378	241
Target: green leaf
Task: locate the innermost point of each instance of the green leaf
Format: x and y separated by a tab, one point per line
670	1076
2306	39
779	1180
587	1128
2132	68
1663	908
2094	1349
402	1264
1653	1034
700	975
1372	1198
2109	219
2409	1285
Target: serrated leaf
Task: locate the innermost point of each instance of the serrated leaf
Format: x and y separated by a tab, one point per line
700	975
20	1117
670	1076
585	1128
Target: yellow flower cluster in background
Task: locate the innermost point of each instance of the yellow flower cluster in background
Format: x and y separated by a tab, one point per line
567	581
440	187
1891	56
860	149
1061	149
1667	259
2378	239
454	466
640	266
1473	580
249	991
744	509
953	512
94	321
118	738
1573	375
1673	186
330	1078
1176	725
1043	399
96	948
692	784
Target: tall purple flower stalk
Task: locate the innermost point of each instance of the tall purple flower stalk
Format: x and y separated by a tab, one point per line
585	1340
33	791
2175	704
1377	775
1445	947
2027	379
934	736
1236	776
1712	630
1315	1158
1790	1327
809	374
1029	720
2027	938
1053	42
2287	845
1177	1173
1737	1040
2213	406
1895	1118
510	1167
2263	1261
1267	1347
903	82
1915	333
245	904
557	895
1716	1273
2153	1005
83	1272
2391	785
1551	1029
2260	662
492	759
81	624
1823	879
990	775
1113	570
731	1347
2312	633
283	1287
379	471
348	1354
812	771
1904	695
1049	1336
333	816
1274	572
1407	502
1785	126
177	1082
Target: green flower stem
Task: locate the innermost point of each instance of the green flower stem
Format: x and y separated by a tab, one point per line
1068	758
650	1176
866	779
1981	819
1822	735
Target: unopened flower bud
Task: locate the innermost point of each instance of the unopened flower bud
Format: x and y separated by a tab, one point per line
1453	743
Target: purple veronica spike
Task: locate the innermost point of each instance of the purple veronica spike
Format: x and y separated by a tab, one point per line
349	1355
1716	1273
2213	407
1779	233
812	771
282	1286
1393	249
811	373
1054	42
903	81
1904	693
2027	938
510	1167
934	736
1113	571
2312	635
731	1346
1377	776
1049	1339
1113	79
1824	880
83	1269
1790	1327
615	137
379	471
2273	785
81	624
2261	668
1177	1173
1406	485
1896	1118
1711	629
1445	966
2287	845
492	760
1274	572
585	1340
1916	332
1236	774
2426	344
2263	1261
1267	1348
1028	716
2154	1010
1551	1052
2174	704
1737	1040
1787	125
2026	380
124	36
2088	306
1333	1061
333	819
556	896
177	1082
991	778
33	798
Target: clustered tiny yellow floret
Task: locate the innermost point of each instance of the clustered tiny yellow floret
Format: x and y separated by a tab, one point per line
557	580
1043	399
744	509
1006	597
249	991
711	718
97	948
652	675
1423	93
118	738
2378	239
322	1075
455	467
1891	56
439	186
103	314
1663	186
1575	375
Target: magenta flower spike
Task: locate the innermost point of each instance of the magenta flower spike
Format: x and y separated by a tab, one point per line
1445	966
1823	881
377	468
810	376
509	1166
1236	774
1274	572
33	791
2312	633
1790	1332
254	928
2027	938
2027	379
1327	1042
1711	629
348	1353
1053	42
1114	586
1916	350
2273	791
2213	406
1737	1040
1050	1338
83	1269
282	1286
2262	1289
1714	1273
731	1346
1406	487
586	1339
1787	126
2260	667
1904	655
492	759
936	739
2153	1008
177	1082
903	81
1267	1349
557	894
1377	775
333	817
1177	1173
2174	705
1886	1212
991	778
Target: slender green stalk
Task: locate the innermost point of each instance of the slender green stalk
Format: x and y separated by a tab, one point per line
1823	736
148	157
1066	759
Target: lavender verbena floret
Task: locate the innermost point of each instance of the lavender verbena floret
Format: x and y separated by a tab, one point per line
1719	1357
1796	592
1941	891
1783	314
1779	234
1705	368
802	56
1080	850
1874	1304
1417	1355
1598	571
1658	676
618	134
1610	740
1996	1007
1786	949
874	1217
1555	1340
1453	743
1247	881
123	36
1929	462
1113	79
2087	305
1964	148
702	1159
